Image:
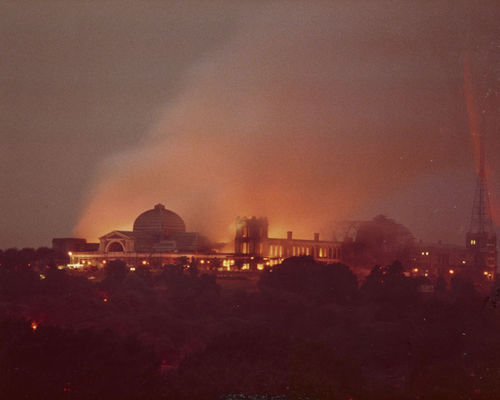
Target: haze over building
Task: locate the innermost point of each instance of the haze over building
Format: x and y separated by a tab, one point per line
331	111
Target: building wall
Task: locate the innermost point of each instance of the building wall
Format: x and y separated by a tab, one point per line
251	239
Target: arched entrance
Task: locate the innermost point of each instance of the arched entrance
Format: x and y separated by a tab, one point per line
115	247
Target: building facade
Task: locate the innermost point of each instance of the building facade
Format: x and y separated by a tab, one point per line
159	237
251	239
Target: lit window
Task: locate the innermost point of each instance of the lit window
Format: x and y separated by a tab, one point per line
473	242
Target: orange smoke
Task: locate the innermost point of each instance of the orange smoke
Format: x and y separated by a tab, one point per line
291	120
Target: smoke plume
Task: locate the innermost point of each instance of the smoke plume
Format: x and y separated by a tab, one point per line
307	115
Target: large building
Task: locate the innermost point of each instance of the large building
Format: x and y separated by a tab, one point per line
159	237
252	239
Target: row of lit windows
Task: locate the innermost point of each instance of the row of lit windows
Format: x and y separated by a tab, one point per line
322	252
246	249
275	251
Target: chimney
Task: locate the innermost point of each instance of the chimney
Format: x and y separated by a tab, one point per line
316	237
289	235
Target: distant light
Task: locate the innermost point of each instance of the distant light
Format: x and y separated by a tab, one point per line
202	261
423	253
463	261
426	253
132	268
70	253
144	262
42	276
451	271
415	269
260	267
34	326
105	299
485	273
104	261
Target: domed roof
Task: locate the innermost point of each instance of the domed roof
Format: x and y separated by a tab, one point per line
159	221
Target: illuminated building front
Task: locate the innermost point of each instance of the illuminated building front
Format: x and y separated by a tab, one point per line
159	237
252	239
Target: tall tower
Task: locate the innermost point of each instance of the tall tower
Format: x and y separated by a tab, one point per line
481	238
251	234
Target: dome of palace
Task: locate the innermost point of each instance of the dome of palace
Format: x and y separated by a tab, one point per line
159	222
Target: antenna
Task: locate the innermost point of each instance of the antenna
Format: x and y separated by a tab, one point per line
481	238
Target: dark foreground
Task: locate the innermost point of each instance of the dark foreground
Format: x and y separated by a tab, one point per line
303	331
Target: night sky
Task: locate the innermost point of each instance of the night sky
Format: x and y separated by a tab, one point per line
304	113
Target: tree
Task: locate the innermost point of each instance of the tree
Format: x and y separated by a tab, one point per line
389	284
115	272
319	282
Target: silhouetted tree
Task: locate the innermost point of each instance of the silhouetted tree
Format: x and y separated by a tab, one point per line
115	272
389	284
316	281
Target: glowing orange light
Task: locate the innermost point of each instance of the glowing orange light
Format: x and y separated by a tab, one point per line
34	326
202	261
415	269
105	299
132	268
451	272
104	261
144	262
485	273
260	267
463	261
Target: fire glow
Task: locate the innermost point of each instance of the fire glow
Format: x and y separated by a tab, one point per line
283	121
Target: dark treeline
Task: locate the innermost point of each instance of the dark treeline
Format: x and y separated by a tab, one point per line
305	331
42	257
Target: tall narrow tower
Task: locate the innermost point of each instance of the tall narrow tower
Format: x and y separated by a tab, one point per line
481	238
